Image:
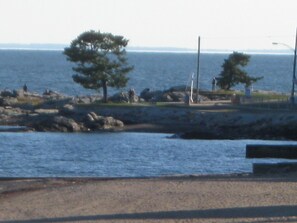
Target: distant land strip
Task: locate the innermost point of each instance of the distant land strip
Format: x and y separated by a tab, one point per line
60	47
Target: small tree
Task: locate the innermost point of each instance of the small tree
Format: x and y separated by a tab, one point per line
232	74
100	60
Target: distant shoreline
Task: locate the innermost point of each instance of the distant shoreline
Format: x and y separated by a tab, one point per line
133	49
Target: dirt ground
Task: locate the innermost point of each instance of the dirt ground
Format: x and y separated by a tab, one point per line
219	198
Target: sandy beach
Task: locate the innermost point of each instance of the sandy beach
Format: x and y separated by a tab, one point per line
214	198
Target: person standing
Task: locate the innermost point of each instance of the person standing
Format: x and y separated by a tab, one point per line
131	95
214	84
25	88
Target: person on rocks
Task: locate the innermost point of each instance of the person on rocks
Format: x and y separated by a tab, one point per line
214	84
25	88
131	95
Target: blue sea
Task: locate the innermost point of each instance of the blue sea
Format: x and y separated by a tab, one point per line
42	70
126	154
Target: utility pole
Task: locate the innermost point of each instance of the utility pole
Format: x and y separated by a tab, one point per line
294	81
294	72
198	71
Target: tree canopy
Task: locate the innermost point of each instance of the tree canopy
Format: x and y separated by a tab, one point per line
232	73
100	60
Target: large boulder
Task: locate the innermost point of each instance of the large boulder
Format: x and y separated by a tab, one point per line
123	97
120	97
96	122
174	94
110	122
56	124
178	96
152	96
68	123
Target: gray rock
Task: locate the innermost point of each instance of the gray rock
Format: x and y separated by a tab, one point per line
84	100
7	93
94	116
53	95
67	109
62	122
90	118
174	94
95	122
120	97
110	122
54	124
8	101
46	111
153	96
166	98
178	96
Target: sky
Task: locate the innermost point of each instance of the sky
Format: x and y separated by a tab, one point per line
221	24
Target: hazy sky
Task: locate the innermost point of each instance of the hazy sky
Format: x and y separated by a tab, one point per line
222	24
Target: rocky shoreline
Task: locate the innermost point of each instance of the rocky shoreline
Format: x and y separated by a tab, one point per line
53	112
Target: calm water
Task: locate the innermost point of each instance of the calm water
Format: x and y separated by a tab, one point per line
158	71
119	154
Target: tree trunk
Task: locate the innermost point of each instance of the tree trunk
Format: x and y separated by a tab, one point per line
104	85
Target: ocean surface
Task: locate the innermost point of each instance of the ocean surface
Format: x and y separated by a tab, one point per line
126	154
120	155
42	70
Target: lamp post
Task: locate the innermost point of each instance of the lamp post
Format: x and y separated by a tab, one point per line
198	71
292	99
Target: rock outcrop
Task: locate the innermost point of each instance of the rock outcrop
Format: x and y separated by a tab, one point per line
95	122
52	111
46	123
173	94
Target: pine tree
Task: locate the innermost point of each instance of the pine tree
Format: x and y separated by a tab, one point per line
232	73
100	60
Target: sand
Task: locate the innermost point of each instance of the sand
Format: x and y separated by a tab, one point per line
212	198
217	198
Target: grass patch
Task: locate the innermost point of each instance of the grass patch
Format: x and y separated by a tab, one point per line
270	96
265	95
35	101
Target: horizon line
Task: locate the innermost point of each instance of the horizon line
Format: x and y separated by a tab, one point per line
140	49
